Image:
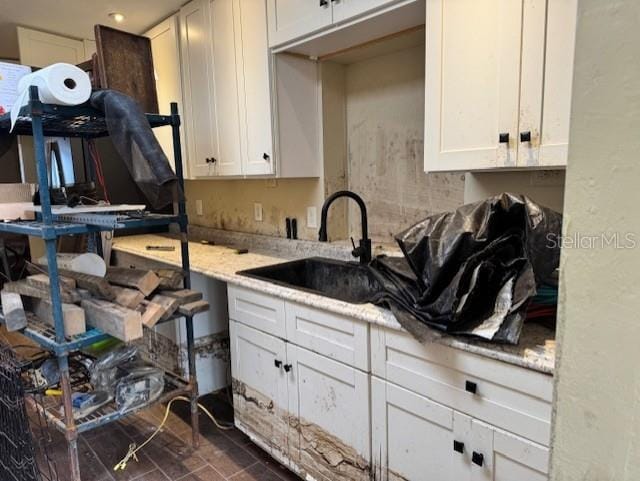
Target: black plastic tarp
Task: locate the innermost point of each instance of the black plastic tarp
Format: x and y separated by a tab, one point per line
471	271
134	140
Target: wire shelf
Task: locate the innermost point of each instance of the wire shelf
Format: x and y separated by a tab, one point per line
63	121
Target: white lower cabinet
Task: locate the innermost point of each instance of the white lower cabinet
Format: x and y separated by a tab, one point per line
259	385
331	403
304	391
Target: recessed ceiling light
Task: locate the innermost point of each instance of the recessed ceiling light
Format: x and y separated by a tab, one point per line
118	17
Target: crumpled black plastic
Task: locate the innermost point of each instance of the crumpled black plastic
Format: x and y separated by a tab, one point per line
135	142
462	268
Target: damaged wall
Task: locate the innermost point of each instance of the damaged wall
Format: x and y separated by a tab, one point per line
385	136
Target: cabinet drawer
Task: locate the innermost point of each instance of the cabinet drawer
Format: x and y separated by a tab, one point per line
340	338
260	311
509	397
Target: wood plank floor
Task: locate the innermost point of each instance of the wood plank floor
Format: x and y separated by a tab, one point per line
223	455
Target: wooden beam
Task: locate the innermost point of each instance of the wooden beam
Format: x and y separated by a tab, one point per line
42	281
170	278
193	308
13	311
117	321
143	280
185	296
151	313
126	297
98	286
25	289
72	315
169	304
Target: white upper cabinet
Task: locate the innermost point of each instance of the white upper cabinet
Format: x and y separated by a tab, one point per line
347	9
497	83
289	19
199	117
165	48
225	84
39	49
255	82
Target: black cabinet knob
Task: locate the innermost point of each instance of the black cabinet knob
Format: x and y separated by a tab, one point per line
207	160
471	387
324	3
277	363
213	160
503	138
265	156
477	458
287	367
458	446
525	136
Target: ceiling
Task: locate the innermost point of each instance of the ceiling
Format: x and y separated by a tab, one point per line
76	18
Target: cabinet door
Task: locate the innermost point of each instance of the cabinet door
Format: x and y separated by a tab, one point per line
225	79
255	87
558	79
347	9
197	80
166	65
413	437
472	83
290	19
259	385
331	402
499	456
39	49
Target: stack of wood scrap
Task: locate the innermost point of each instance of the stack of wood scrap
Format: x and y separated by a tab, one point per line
119	304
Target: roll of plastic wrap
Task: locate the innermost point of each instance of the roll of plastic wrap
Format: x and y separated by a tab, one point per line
59	84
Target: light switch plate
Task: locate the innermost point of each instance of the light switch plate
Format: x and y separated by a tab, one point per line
257	212
198	207
312	217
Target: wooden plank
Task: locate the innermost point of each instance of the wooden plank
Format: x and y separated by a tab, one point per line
13	311
73	316
170	278
193	308
25	289
126	297
117	321
151	313
185	296
169	304
144	280
42	281
98	286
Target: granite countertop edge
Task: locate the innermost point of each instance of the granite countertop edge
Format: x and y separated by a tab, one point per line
529	353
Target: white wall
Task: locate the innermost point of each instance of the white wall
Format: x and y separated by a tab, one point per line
596	433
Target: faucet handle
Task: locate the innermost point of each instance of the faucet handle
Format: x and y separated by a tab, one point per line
357	251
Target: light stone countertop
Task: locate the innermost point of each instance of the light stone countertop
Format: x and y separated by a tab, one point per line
535	351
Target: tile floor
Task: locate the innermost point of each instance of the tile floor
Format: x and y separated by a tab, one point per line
223	455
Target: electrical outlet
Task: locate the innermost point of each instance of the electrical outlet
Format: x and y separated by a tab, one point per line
312	217
198	207
257	212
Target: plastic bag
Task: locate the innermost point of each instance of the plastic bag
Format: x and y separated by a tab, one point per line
139	388
471	271
104	372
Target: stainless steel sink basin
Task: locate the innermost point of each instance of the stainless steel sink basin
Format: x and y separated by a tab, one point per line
346	281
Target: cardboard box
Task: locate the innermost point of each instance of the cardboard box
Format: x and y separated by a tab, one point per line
16	201
10	75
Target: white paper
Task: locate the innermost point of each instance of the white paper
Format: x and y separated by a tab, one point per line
10	75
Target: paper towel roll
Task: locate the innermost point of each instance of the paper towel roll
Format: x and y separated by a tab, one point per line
59	84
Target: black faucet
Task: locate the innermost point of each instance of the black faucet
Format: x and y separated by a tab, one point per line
363	251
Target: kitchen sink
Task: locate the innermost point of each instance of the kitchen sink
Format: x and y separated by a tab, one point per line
345	281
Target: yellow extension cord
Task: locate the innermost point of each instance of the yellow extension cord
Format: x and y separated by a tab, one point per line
133	449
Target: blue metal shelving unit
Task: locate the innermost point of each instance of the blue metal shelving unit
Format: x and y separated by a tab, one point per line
39	120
